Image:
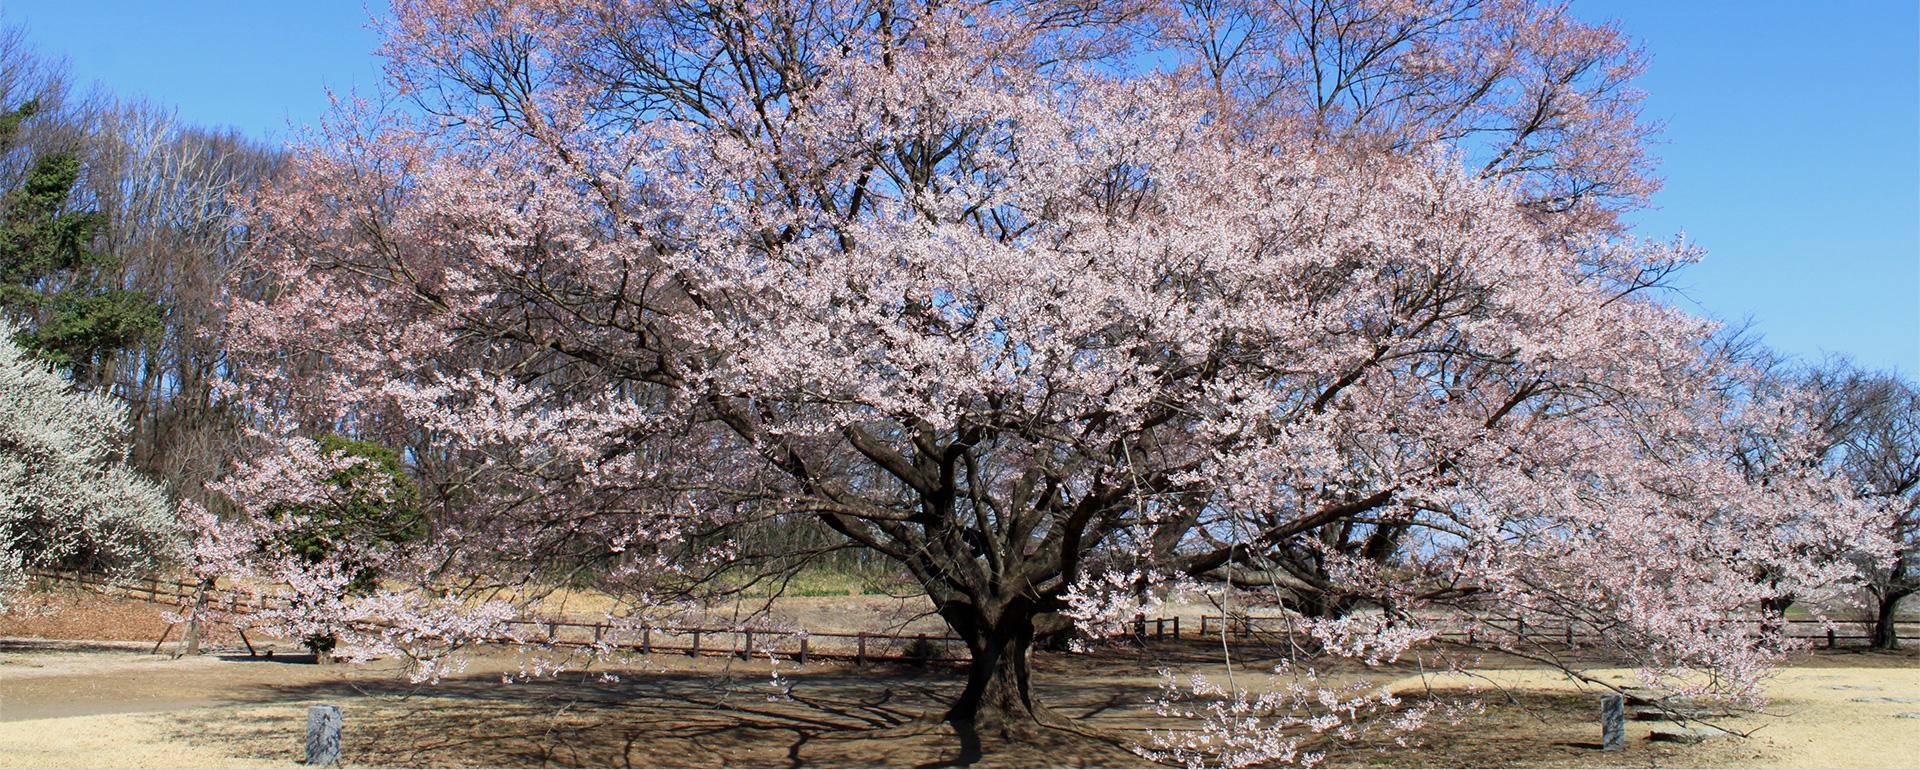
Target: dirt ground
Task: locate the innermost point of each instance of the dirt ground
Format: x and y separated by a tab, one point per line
115	704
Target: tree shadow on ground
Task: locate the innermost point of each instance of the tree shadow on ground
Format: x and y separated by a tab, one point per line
674	711
835	716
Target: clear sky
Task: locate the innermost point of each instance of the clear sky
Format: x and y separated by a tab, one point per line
1792	143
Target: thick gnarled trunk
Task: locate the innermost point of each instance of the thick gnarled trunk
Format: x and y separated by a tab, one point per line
1886	635
998	697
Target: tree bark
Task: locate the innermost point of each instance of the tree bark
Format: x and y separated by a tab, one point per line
1886	634
1773	614
998	697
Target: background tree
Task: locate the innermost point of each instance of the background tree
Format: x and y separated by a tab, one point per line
67	498
978	290
121	230
370	502
1872	422
50	271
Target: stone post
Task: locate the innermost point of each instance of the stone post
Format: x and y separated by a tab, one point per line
1613	722
323	736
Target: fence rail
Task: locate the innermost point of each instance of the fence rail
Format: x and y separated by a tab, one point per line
861	647
864	647
1473	630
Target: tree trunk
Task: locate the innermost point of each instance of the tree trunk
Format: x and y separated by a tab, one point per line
998	697
1886	635
1322	604
1773	614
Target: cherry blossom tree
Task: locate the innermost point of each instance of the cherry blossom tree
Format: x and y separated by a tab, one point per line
1871	425
67	498
1051	304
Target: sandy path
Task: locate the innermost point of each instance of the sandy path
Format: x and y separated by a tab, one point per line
72	679
113	740
64	707
1817	717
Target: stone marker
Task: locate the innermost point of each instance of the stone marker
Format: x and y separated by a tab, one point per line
323	736
1613	722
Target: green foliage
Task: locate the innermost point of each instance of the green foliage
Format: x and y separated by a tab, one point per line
49	271
374	502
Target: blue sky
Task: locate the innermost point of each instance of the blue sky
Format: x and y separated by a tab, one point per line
1791	151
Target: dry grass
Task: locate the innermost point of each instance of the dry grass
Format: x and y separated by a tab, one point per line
84	704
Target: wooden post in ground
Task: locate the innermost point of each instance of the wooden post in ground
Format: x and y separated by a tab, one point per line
323	736
803	651
1613	722
192	641
646	640
746	648
694	651
861	657
163	638
1176	626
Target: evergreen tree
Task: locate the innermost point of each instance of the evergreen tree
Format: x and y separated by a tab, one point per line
51	278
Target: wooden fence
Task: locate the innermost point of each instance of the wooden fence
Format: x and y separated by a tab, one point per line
1853	631
860	647
865	647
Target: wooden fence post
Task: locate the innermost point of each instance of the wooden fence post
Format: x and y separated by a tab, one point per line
803	651
861	658
1176	626
746	648
694	651
646	640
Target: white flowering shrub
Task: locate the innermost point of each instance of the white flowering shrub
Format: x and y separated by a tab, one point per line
67	497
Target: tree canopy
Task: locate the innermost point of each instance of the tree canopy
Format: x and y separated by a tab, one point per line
1051	304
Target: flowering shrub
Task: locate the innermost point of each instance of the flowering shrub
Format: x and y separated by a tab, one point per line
67	498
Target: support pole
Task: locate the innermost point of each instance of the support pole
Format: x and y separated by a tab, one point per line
192	642
163	638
